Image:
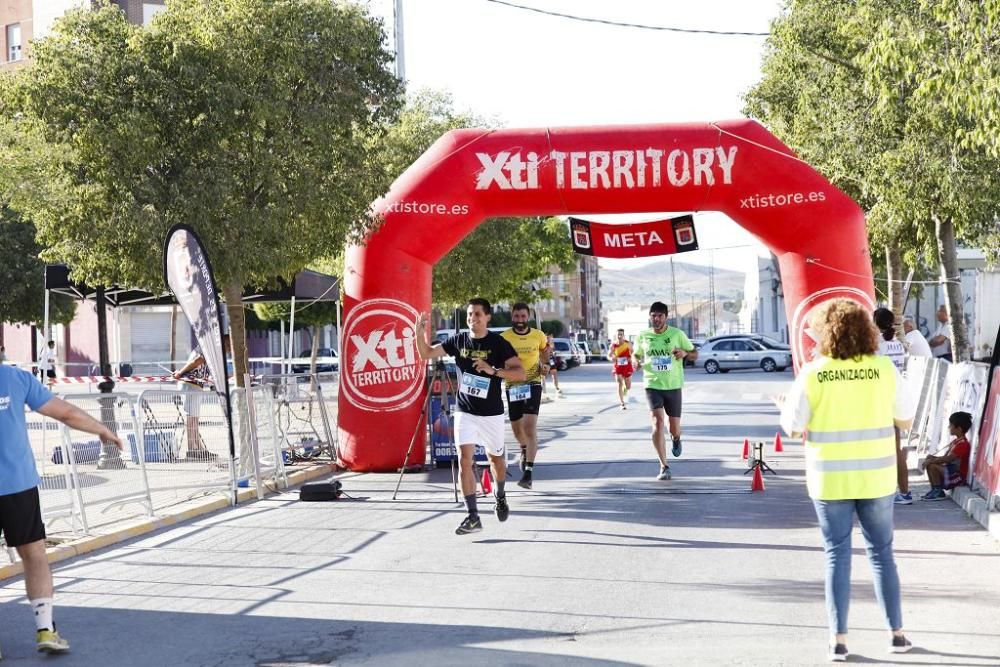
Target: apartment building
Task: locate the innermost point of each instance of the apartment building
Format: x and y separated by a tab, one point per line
576	299
26	20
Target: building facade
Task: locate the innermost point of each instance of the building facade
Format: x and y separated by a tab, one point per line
576	299
26	20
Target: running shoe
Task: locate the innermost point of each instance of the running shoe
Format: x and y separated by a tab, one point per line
934	494
664	473
49	641
900	644
904	498
838	653
623	406
525	481
677	449
502	510
472	524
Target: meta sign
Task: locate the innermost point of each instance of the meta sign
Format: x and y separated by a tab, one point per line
646	239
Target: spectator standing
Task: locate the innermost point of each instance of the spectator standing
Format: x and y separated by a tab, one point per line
916	344
20	508
47	363
941	341
847	401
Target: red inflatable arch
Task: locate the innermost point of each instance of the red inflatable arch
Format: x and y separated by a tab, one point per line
736	167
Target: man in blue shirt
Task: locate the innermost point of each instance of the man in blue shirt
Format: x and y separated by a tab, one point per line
20	511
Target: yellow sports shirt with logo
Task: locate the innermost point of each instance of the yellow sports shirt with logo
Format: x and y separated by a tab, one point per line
529	347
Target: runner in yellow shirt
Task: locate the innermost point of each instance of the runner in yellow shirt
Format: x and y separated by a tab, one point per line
524	398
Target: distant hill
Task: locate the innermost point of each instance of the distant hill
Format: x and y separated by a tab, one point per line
643	285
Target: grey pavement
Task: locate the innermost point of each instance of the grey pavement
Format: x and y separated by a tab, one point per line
599	565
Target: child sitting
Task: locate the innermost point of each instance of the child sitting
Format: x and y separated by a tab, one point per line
952	468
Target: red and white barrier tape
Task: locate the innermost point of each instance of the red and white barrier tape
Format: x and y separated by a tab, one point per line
89	379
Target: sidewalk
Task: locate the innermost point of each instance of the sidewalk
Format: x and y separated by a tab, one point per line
599	565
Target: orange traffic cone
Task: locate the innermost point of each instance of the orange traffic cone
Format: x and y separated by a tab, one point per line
777	443
746	448
758	480
487	484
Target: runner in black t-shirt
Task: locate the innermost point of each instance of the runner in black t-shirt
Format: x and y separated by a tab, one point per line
484	359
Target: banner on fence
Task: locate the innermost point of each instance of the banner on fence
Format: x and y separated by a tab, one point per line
986	459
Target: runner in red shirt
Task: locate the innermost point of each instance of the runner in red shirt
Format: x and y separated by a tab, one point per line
621	358
952	468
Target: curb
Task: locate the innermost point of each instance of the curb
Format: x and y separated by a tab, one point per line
93	543
976	507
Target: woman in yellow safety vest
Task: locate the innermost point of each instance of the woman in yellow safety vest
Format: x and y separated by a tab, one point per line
847	402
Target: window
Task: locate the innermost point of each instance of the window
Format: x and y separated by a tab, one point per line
723	346
13	42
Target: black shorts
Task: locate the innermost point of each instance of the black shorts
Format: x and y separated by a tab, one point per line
21	518
668	399
528	406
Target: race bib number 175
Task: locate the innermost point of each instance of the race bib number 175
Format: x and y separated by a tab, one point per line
661	364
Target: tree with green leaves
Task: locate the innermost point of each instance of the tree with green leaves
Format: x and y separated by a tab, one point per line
503	256
22	274
922	189
253	121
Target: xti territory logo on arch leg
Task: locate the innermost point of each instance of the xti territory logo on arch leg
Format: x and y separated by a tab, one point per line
804	340
381	369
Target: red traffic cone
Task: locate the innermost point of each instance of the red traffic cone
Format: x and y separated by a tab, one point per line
487	484
746	448
777	443
758	480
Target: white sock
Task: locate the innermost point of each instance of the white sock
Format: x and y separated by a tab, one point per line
43	613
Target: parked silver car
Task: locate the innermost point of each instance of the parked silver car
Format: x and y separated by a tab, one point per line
725	354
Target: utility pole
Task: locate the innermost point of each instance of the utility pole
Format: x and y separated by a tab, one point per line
397	29
711	296
673	294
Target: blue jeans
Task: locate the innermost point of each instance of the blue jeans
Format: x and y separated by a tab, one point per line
836	519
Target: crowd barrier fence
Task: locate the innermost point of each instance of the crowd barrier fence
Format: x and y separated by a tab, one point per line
176	448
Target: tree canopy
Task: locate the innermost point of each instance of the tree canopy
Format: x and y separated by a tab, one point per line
842	85
22	274
253	121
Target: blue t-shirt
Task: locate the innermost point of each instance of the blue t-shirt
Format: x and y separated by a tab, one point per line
17	464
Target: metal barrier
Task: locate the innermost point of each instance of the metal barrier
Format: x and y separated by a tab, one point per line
304	413
176	447
945	388
185	444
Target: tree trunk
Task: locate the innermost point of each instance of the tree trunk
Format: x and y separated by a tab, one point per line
173	337
315	348
894	272
233	293
102	333
944	230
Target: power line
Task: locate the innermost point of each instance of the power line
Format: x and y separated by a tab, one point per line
618	24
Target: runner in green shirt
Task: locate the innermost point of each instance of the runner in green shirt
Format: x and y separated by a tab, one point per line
660	352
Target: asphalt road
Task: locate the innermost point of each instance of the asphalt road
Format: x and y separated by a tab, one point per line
599	565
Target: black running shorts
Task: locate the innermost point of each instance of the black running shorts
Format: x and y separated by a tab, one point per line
668	399
21	518
526	406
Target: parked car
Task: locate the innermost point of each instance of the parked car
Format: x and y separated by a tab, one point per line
563	349
697	342
725	353
326	361
580	353
766	341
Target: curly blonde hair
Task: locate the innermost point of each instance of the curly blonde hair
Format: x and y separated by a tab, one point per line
845	328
